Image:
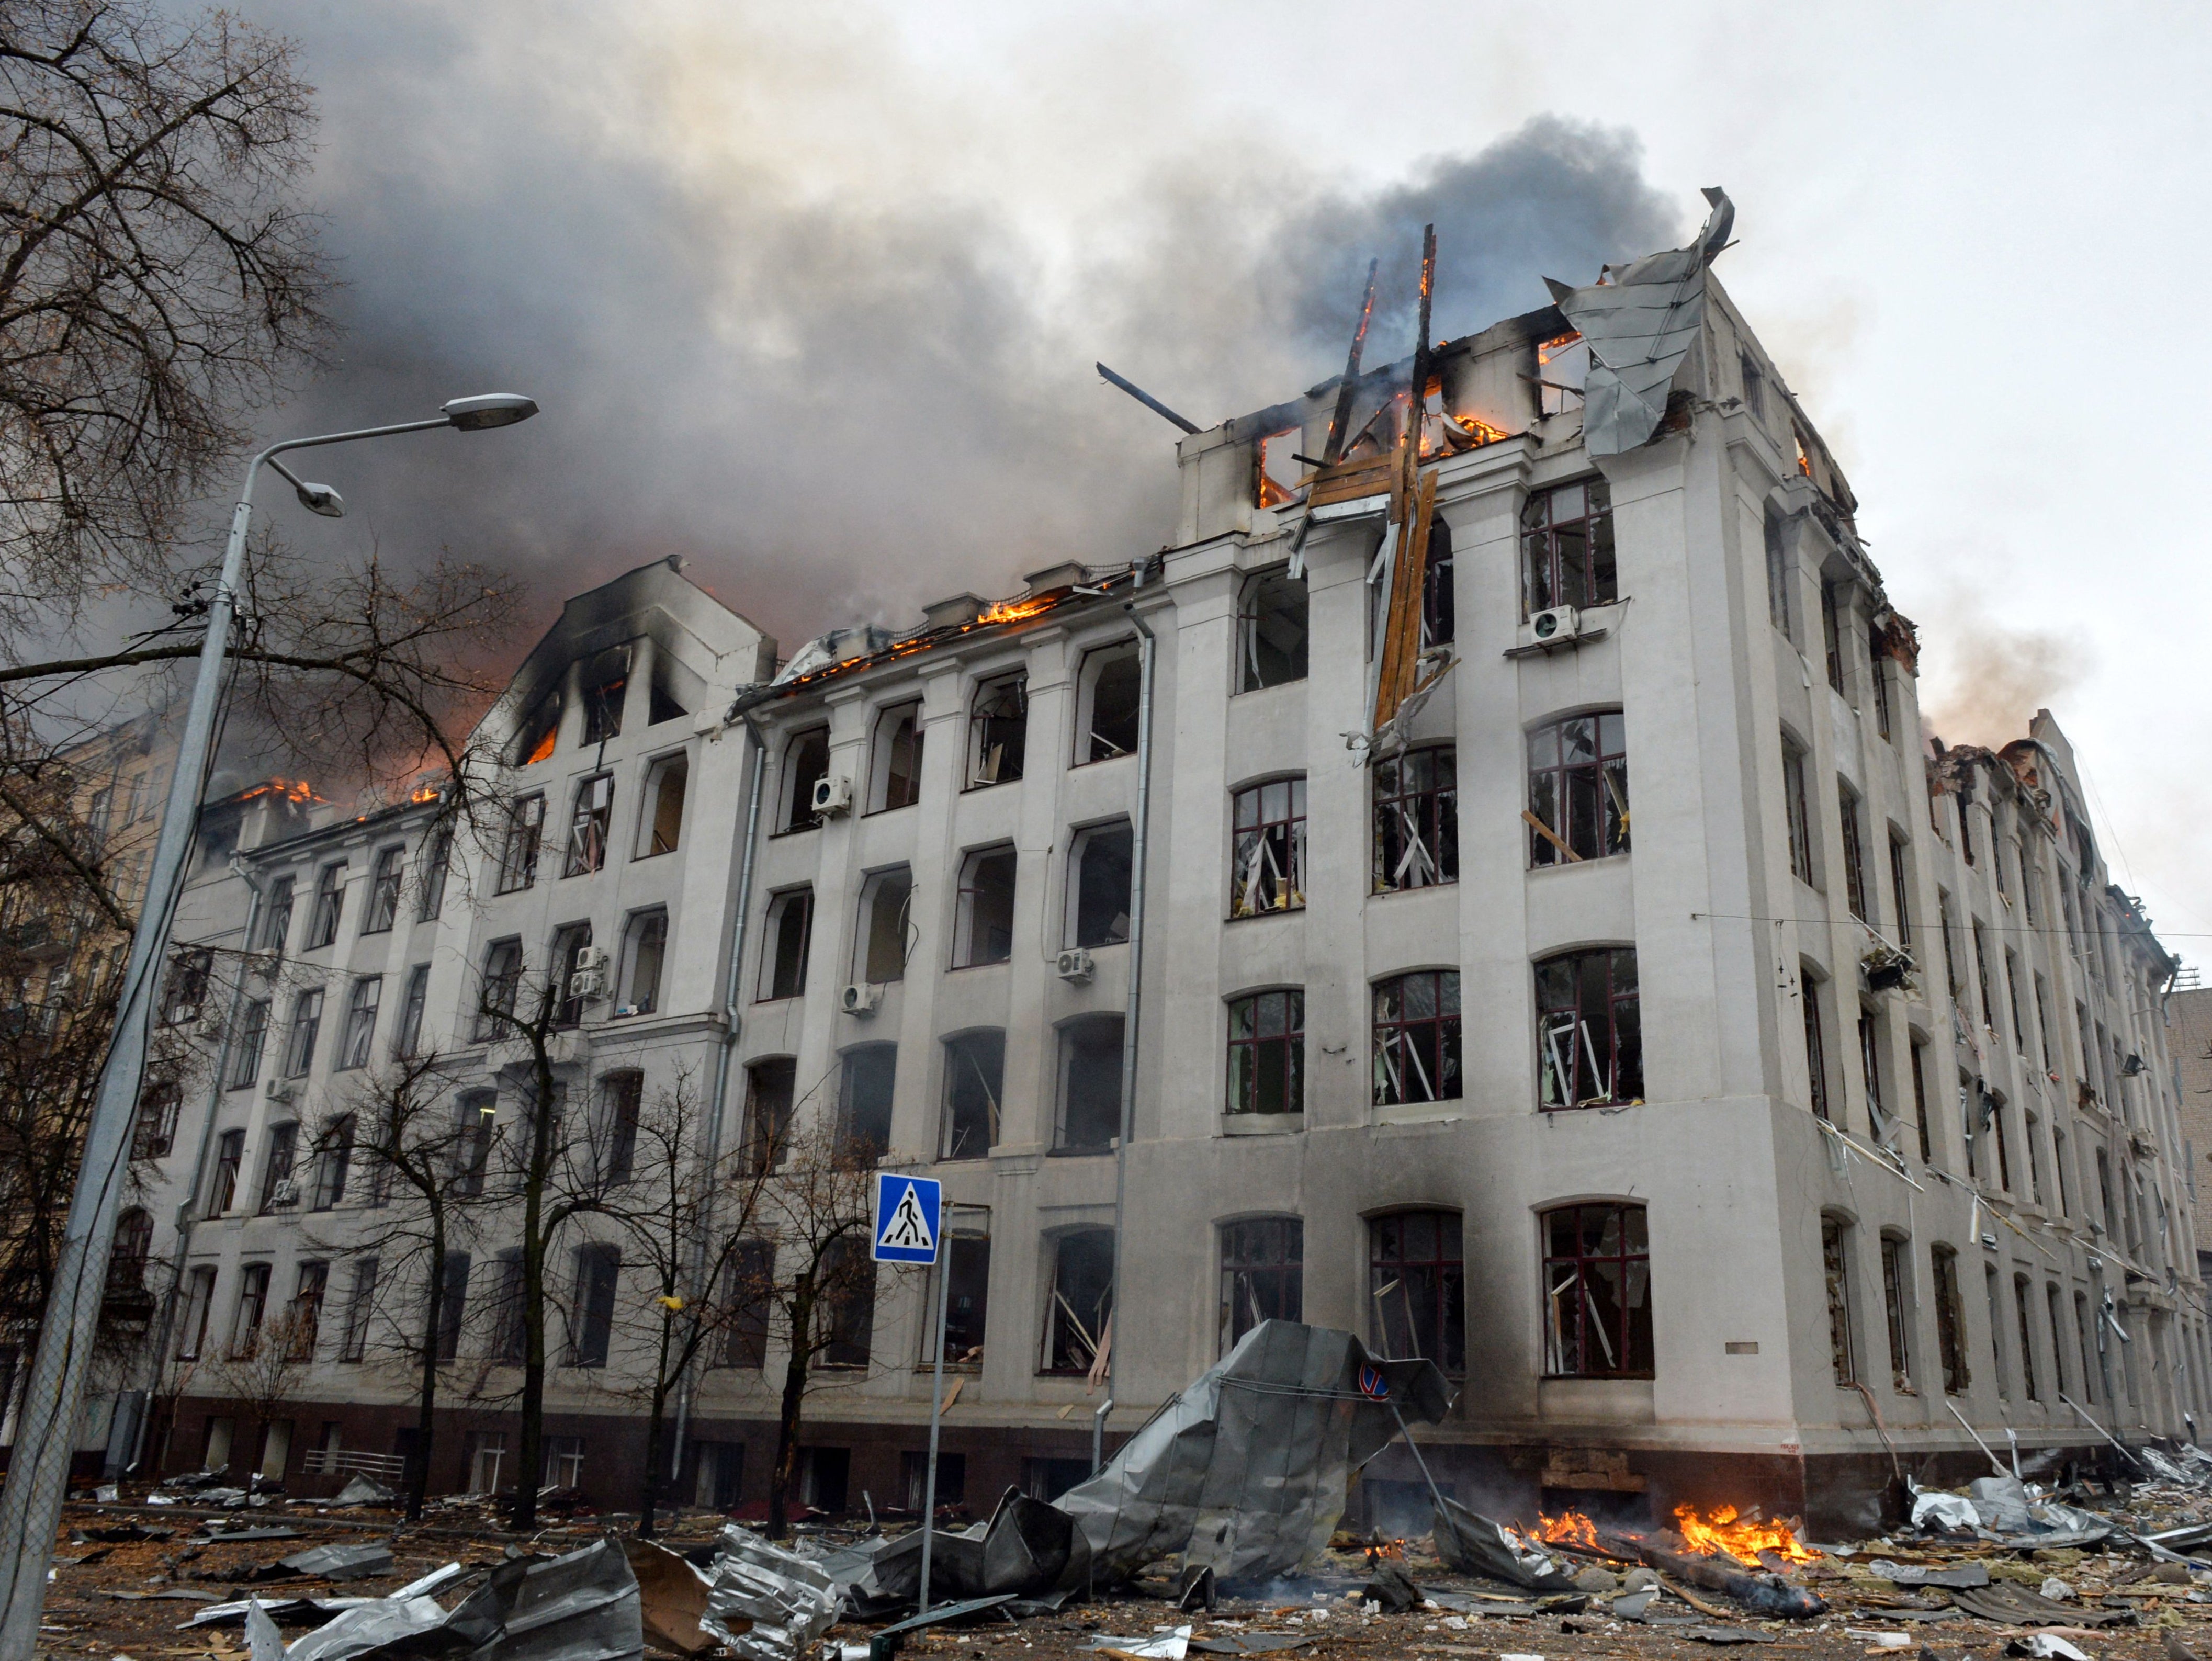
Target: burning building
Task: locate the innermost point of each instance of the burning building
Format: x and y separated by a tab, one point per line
1489	863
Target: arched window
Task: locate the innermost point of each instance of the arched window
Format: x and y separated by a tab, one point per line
805	764
1271	631
1417	1033
1597	1293
974	1068
1417	1287
1566	547
1578	789
134	1245
1267	859
1081	1301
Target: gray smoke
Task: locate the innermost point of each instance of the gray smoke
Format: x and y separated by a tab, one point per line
838	403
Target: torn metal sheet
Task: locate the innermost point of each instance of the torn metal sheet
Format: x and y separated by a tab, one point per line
341	1562
1169	1644
1245	1471
888	1640
362	1491
582	1607
765	1603
1027	1549
1919	1574
2016	1606
1473	1544
1639	327
370	1627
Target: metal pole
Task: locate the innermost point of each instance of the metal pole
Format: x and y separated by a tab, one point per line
936	1404
46	1427
1149	649
1996	1464
2126	1450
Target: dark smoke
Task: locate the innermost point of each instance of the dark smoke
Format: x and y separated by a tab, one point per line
834	408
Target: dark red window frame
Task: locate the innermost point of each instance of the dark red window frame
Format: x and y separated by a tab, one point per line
1266	1052
1417	1287
1597	1293
1417	819
1416	1036
1588	1019
1566	547
1578	787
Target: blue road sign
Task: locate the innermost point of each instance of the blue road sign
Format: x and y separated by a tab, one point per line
907	1212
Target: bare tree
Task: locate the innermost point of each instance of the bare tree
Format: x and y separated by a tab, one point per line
264	1374
422	1163
689	1223
158	281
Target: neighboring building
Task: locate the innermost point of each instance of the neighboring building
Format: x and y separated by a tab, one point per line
1833	1079
2189	1044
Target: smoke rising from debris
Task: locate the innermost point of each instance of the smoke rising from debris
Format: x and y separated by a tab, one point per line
843	370
1985	678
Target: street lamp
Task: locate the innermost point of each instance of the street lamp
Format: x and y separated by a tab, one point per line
46	1433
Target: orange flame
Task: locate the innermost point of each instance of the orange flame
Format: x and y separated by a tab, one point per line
1740	1538
1569	1529
1012	610
424	793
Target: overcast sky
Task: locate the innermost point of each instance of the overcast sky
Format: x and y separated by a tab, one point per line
810	294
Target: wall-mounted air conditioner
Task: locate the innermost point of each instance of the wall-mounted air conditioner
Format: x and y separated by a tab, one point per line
284	1191
832	796
1076	966
589	983
861	998
278	1090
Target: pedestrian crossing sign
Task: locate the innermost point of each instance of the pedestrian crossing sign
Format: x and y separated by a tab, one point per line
907	1212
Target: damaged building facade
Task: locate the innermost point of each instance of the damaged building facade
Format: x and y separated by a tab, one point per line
1722	1150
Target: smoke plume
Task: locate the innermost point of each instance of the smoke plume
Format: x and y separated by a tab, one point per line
821	327
1983	679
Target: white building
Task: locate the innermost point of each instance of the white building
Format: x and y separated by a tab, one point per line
1683	1136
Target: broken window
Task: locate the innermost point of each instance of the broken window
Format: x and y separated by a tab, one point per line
1099	905
501	983
1996	1330
975	1070
360	1303
252	1300
306	1309
277	1190
187	986
1416	1287
437	865
1562	368
599	1276
229	1160
1779	574
2058	1169
1416	818
158	1109
983	929
587	826
604	678
1831	633
645	951
951	1480
329	903
1950	1320
2012	1000
967	1299
253	1035
1982	977
276	926
1996	1122
748	1288
660	827
1266	1053
518	854
770	1085
896	776
508	1342
790	931
1816	1046
2030	881
133	1245
570	941
307	1022
1855	883
1082	1301
384	891
333	1162
1268	858
1897	1306
1566	548
847	1310
2033	1128
864	1099
1438	621
1901	891
1578	788
534	740
1417	1033
1754	385
1108	703
1262	1274
806	764
2043	1027
1271	631
1878	675
1279	474
1090	1084
886	901
1950	947
1835	1268
360	1023
997	731
1793	807
1597	1293
1589	1039
475	1122
622	1101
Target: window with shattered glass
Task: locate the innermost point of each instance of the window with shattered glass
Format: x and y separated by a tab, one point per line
587	826
1098	898
1835	1269
1089	1117
1589	1035
604	679
1416	1287
1082	1300
1268	857
1271	631
1566	548
1266	1053
1950	1320
1562	369
1417	1038
975	1069
997	731
1597	1293
1262	1274
1109	703
1578	788
1896	1305
1416	819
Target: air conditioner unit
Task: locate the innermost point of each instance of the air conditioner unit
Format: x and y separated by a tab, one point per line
587	983
279	1090
590	957
861	998
832	796
1077	966
284	1191
1556	626
211	1024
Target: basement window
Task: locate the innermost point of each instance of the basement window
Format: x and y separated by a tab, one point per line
1082	1301
1597	1293
975	1069
1271	631
997	731
1107	703
1416	819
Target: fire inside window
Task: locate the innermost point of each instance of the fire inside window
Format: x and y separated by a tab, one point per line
1281	476
1562	367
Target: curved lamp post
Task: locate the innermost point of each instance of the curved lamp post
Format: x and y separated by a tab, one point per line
46	1426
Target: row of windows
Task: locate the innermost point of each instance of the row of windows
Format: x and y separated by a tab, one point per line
1597	1302
590	820
1589	1041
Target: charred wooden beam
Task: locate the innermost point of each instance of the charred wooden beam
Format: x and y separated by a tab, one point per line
1342	414
1147	400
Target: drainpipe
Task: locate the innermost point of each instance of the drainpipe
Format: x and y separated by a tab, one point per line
187	1213
1149	650
733	991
